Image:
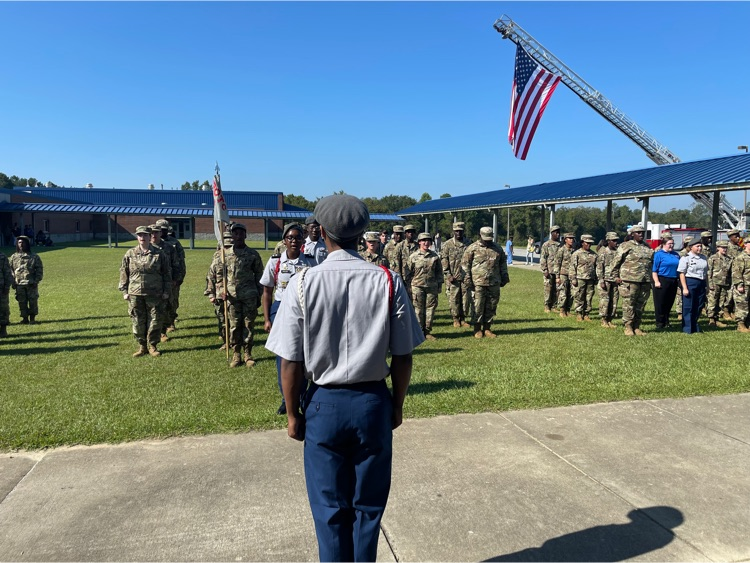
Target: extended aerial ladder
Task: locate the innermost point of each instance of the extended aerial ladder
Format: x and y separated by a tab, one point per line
657	152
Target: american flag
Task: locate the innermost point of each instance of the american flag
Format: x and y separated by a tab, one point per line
533	86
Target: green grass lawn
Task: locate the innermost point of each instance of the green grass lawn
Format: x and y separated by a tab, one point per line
72	380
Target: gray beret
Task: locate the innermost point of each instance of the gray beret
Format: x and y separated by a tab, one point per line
342	216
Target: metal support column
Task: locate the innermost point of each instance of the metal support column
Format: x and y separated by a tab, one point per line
644	213
714	222
541	225
551	215
494	225
609	215
192	233
117	237
426	225
265	234
109	231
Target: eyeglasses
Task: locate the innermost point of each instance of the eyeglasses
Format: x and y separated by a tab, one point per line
291	238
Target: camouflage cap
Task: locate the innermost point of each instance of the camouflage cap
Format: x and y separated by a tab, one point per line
459	226
588	238
486	233
398	228
155	228
372	237
424	236
706	234
142	230
636	229
410	228
722	244
569	235
733	232
554	228
687	239
612	236
162	224
667	235
239	226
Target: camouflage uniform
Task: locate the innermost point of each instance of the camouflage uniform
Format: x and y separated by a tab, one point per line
27	271
178	276
583	274
741	280
459	295
547	265
147	278
719	277
733	250
609	293
243	290
375	258
407	249
279	248
562	273
427	277
392	253
632	265
167	312
215	289
486	271
6	282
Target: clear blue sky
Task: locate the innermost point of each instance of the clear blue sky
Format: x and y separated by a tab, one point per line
374	98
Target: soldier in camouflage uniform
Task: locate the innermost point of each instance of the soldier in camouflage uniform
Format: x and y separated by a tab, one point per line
242	292
733	250
631	269
547	265
279	248
178	271
408	247
371	253
719	278
6	282
609	293
28	271
427	278
215	288
741	289
562	274
392	250
583	277
145	282
169	251
486	270
456	289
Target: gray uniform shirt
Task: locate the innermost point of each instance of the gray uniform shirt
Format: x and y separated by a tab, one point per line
316	251
347	328
287	268
693	266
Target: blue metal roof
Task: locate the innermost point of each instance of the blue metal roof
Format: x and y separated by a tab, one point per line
715	174
206	211
154	198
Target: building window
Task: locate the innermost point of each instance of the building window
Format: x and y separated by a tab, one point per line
46	225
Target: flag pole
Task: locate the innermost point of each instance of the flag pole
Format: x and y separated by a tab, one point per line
221	216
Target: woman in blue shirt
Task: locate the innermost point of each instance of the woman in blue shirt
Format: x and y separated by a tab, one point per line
664	274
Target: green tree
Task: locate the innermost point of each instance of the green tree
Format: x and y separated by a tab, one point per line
5	182
33	182
425	197
299	201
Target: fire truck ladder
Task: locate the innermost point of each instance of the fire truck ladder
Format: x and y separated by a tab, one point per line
657	152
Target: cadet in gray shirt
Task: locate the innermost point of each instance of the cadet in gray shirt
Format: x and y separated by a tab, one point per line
692	269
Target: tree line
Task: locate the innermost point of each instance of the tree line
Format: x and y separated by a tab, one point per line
10	182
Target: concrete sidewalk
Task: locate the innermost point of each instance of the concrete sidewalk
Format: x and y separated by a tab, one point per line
664	480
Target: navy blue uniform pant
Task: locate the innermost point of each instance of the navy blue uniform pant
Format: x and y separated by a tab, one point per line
692	304
348	452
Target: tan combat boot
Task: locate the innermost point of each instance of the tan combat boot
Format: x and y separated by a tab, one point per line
639	332
579	318
429	336
164	338
142	351
465	324
478	333
717	323
153	352
236	359
586	318
547	309
742	327
727	316
488	333
456	323
171	328
605	324
629	329
249	362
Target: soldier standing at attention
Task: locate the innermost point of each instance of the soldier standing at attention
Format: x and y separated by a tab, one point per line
631	269
733	250
242	291
392	250
145	282
609	294
741	288
169	252
719	282
583	277
457	289
315	247
215	287
372	252
408	247
547	265
486	269
178	270
27	271
426	281
6	282
349	413
562	274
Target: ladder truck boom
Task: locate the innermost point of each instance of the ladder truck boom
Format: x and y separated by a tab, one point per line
657	152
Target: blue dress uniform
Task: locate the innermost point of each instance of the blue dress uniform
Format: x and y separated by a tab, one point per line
341	320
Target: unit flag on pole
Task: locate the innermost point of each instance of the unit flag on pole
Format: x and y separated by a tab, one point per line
533	86
221	213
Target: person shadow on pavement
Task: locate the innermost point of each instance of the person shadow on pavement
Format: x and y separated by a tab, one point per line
649	529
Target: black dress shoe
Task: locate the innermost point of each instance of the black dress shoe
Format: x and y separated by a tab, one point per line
281	409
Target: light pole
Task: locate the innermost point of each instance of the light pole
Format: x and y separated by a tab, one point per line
744	203
508	236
